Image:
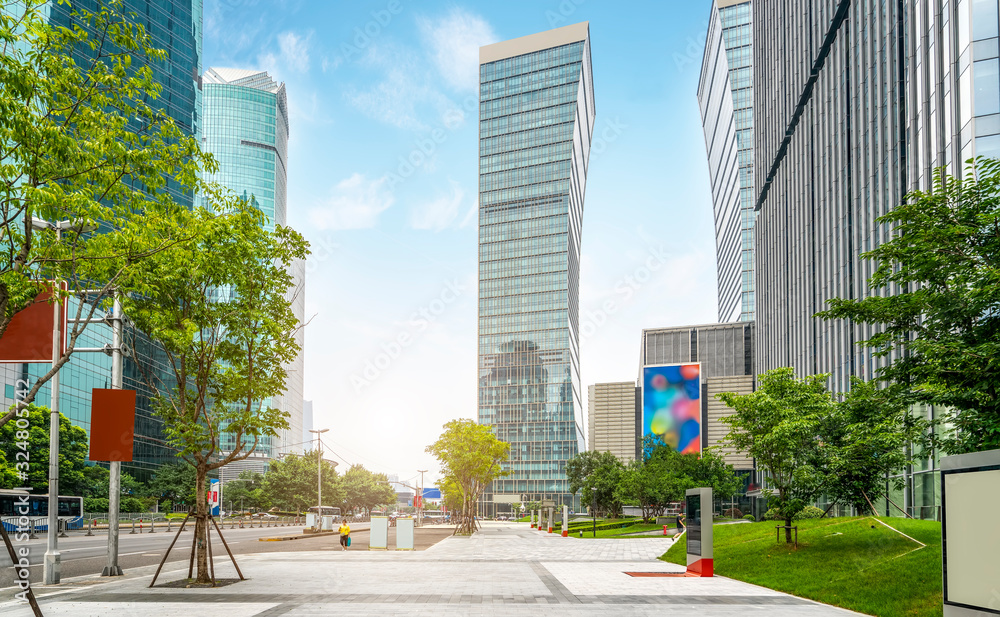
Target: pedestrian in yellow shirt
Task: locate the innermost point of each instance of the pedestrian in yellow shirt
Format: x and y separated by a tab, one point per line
345	534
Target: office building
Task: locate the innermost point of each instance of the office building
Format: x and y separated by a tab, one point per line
246	130
175	26
725	96
536	123
725	353
613	419
864	102
307	423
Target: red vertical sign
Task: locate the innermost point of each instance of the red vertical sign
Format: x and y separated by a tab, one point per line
112	425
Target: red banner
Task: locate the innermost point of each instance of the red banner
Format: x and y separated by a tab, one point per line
112	425
28	337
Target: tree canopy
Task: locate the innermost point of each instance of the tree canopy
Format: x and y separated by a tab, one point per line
290	482
471	458
83	145
935	302
221	309
598	475
73	451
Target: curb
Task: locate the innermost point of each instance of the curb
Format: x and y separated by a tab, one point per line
299	537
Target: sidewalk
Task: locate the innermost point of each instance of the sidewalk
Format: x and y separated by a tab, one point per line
506	569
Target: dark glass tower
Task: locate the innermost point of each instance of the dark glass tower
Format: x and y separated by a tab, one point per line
535	128
175	26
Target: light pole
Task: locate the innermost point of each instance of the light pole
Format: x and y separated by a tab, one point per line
53	558
420	510
319	476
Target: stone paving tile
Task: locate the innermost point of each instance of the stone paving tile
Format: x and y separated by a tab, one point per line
517	572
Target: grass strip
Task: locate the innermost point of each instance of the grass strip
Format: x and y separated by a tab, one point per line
873	566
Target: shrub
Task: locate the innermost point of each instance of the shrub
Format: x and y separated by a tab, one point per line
95	505
131	504
732	513
749	517
807	512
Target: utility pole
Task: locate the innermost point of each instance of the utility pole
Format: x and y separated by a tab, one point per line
114	480
319	477
420	510
53	558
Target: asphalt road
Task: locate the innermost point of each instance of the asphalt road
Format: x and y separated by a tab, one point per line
83	555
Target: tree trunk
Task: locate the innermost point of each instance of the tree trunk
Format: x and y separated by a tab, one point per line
201	525
788	530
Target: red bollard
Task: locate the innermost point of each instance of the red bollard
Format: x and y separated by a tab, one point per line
664	530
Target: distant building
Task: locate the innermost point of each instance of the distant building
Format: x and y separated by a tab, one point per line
246	130
725	353
536	123
307	423
725	96
613	417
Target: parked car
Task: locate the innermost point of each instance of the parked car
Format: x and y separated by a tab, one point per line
263	515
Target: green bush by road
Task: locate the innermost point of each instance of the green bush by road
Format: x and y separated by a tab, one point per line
855	563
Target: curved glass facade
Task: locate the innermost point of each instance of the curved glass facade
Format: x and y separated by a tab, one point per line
246	130
725	95
536	120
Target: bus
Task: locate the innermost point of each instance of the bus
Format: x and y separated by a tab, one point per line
327	511
13	502
435	516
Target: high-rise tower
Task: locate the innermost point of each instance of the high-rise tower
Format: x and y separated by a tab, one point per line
536	119
864	102
725	95
246	129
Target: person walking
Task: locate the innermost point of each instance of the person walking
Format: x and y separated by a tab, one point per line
345	534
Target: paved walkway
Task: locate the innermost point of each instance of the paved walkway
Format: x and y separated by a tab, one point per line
505	570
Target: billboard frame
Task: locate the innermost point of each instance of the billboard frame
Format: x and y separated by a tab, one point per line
701	402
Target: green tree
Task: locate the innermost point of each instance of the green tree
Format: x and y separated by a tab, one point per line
174	483
82	142
221	309
778	426
35	436
471	458
364	490
935	303
597	474
290	482
247	491
869	437
663	475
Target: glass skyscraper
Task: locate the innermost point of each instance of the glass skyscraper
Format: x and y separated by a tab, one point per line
175	26
865	101
246	129
725	95
536	119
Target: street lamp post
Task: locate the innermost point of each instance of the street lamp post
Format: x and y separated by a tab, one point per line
319	477
53	558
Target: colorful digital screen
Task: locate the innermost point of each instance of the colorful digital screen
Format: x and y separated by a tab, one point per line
671	405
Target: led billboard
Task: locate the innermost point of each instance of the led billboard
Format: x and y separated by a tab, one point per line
671	405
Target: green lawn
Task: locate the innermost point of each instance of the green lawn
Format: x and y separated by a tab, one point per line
854	563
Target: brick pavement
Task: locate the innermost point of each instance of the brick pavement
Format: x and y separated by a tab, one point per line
505	570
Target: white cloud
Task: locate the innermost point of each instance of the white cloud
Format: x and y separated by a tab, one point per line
355	204
392	100
439	214
454	41
293	53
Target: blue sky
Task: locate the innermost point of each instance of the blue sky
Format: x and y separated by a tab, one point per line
383	179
